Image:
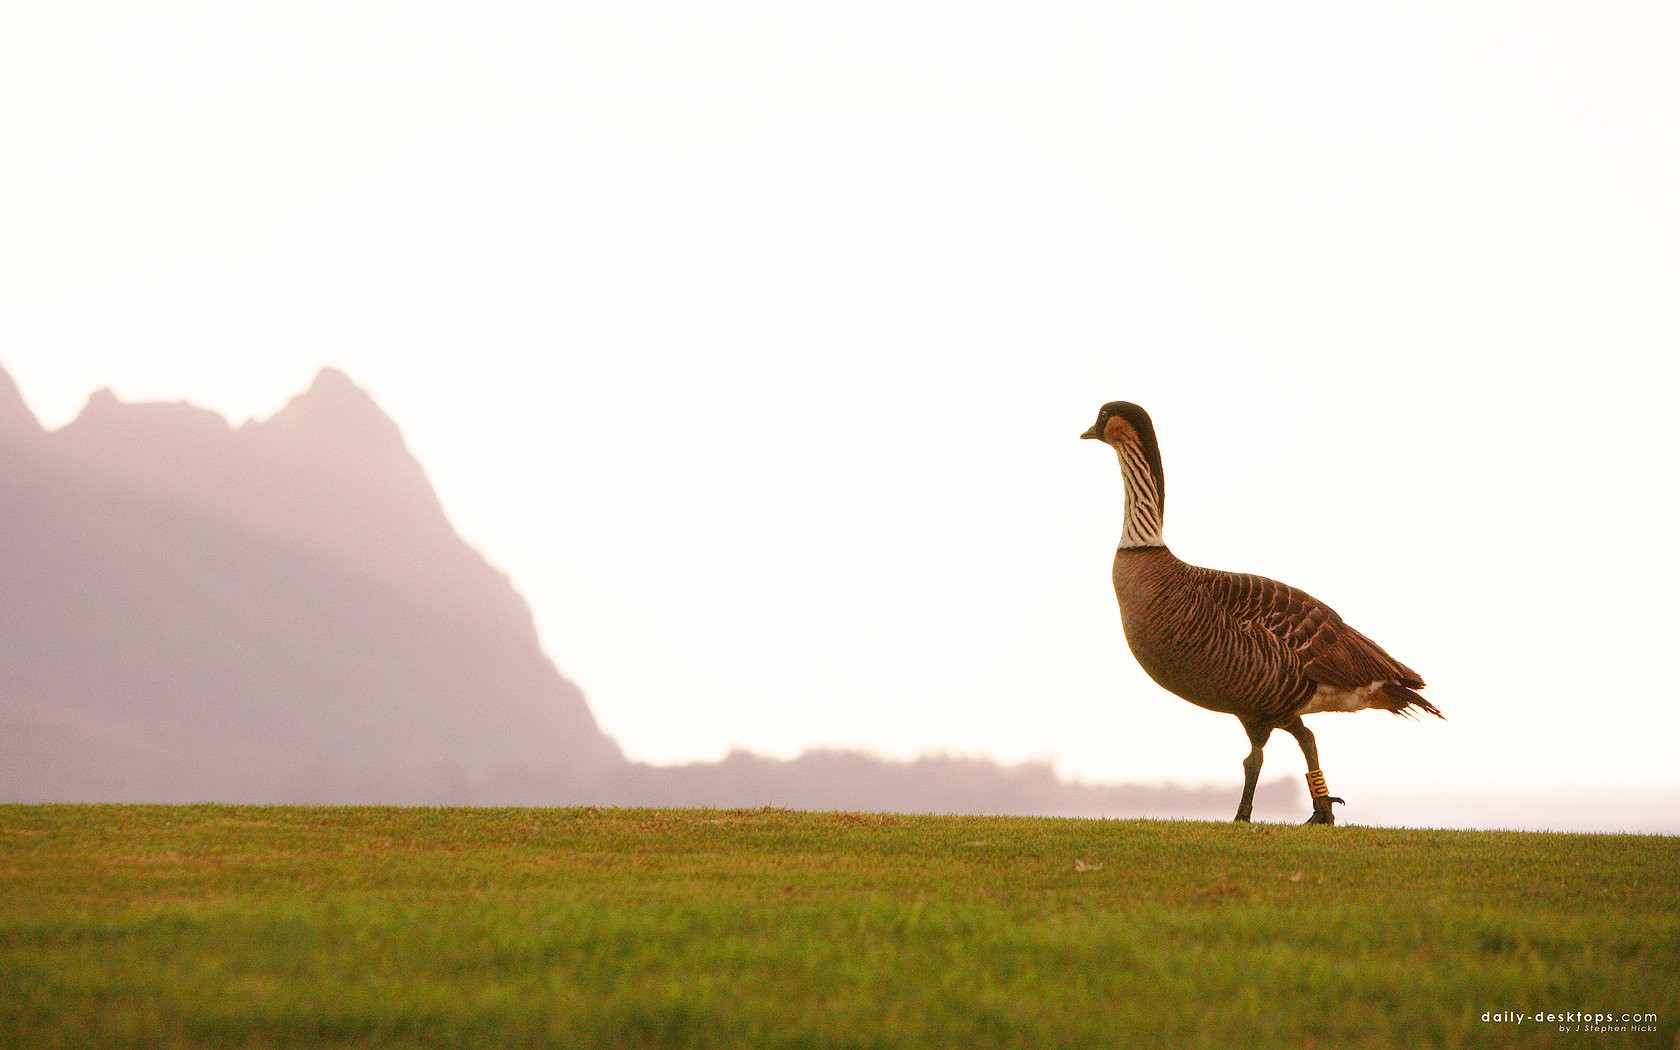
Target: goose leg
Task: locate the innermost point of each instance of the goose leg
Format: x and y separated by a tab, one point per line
1251	768
1322	798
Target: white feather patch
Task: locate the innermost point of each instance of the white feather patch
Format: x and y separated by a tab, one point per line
1340	698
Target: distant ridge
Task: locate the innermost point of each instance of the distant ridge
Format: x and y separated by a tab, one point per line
278	611
282	612
329	471
17	423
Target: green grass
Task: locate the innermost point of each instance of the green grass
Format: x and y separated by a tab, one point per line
350	927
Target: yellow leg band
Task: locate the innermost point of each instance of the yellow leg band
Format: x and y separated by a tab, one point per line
1315	781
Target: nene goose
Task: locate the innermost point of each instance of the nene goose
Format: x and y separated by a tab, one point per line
1226	641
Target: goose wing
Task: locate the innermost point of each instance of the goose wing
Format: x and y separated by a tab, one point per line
1320	646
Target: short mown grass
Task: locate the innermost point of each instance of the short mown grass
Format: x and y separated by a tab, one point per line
239	926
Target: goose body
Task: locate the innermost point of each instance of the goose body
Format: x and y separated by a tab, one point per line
1244	645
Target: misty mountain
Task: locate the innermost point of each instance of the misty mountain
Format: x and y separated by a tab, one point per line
192	611
282	612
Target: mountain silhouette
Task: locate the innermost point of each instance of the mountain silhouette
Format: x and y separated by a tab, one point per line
282	612
270	612
17	423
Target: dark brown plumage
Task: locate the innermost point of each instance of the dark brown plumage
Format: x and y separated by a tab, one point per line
1245	645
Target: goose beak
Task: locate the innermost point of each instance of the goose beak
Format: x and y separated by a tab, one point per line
1092	433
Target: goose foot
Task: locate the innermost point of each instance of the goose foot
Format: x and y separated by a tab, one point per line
1321	810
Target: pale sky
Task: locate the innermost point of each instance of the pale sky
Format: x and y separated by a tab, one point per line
754	340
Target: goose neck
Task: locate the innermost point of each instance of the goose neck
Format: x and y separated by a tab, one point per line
1144	499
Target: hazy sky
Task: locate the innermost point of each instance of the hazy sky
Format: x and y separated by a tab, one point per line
754	340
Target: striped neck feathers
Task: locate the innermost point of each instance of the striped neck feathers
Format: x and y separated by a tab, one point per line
1145	493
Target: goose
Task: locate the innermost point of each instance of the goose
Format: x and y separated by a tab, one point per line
1226	641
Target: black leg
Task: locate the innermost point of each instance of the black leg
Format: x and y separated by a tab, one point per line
1321	797
1251	768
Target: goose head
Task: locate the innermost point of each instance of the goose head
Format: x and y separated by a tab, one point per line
1124	426
1121	423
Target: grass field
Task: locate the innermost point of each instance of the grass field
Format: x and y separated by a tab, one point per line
348	927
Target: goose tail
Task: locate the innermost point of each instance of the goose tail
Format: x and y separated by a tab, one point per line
1393	696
